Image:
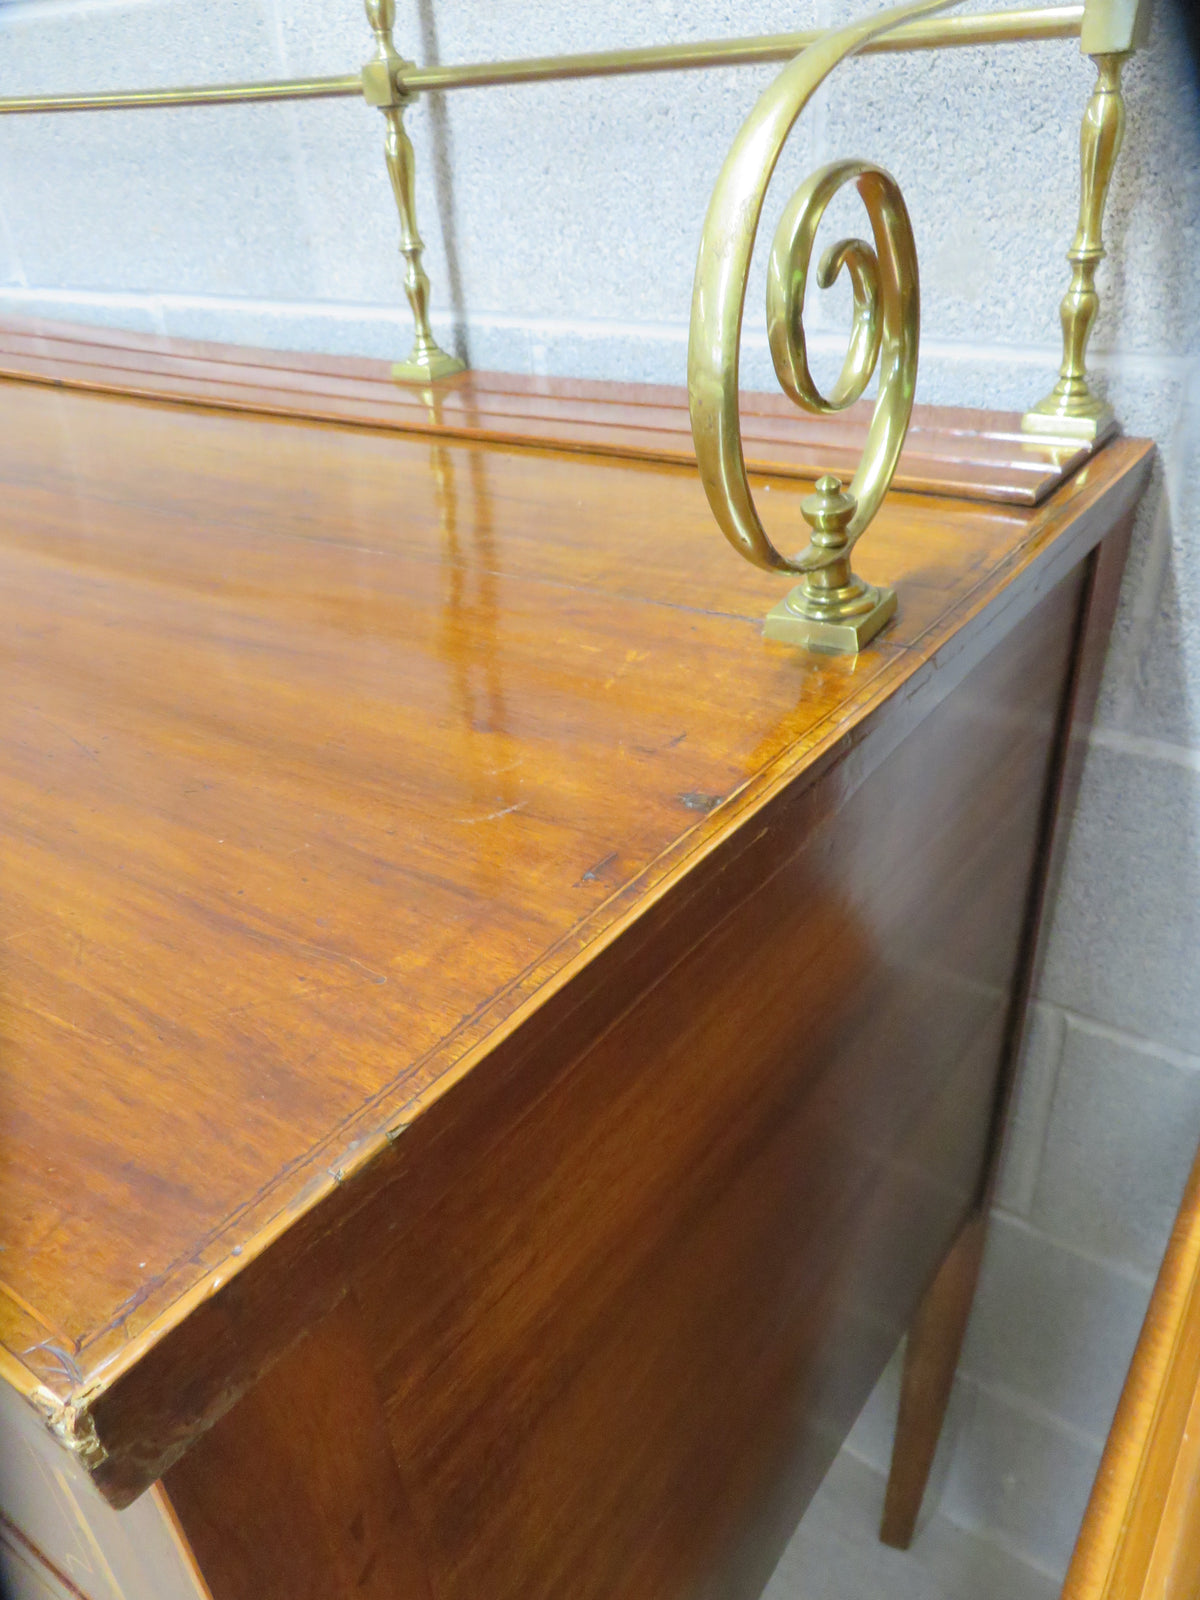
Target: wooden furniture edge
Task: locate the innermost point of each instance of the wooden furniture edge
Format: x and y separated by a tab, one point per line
936	1338
115	1419
521	412
1141	1531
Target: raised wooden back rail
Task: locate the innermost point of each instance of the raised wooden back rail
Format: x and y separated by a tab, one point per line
830	609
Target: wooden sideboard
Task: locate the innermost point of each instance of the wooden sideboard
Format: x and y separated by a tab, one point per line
494	1053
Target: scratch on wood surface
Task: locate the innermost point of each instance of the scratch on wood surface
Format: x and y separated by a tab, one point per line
593	873
491	815
60	1358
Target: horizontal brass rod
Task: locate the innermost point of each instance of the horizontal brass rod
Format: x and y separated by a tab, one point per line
206	94
996	27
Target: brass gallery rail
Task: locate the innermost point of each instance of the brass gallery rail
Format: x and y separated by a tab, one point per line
830	609
1000	27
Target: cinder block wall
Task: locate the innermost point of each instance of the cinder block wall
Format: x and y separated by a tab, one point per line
562	224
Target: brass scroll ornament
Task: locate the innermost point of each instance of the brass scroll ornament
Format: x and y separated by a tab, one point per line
832	609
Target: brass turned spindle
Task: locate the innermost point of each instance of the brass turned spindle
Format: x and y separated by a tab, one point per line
427	360
1072	409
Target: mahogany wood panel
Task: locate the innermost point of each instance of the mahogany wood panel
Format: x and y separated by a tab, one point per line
335	766
624	1295
977	454
1140	1538
637	1325
295	1492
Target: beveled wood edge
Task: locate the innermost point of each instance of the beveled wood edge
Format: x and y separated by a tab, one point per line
100	1418
989	430
497	409
956	420
948	478
1148	1484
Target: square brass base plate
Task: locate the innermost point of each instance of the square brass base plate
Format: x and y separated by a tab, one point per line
438	366
1048	425
831	638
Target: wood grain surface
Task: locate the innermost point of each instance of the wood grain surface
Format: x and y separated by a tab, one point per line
635	1332
296	1493
622	1295
1140	1538
335	764
980	455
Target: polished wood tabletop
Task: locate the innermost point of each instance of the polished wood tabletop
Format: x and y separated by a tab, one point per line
327	756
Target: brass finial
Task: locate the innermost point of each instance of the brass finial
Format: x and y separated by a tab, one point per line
380	80
832	610
828	511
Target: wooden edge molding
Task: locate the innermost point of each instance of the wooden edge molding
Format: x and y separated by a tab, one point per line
1141	1531
973	454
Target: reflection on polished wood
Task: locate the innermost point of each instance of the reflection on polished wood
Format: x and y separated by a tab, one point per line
454	969
981	455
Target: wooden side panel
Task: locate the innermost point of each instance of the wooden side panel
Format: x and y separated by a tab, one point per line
935	1339
59	1537
619	1342
294	1493
613	1316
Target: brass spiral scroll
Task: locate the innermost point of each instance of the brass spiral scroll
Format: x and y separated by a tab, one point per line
831	609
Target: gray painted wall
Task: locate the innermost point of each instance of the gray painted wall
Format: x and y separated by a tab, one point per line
562	224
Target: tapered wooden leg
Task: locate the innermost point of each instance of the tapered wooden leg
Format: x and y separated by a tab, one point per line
934	1342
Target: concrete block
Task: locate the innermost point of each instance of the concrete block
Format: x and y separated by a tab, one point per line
1150	285
1022	1478
11	270
202	199
1122	1137
1054	1328
139	312
835	1554
984	145
1152	685
1126	923
1032	1097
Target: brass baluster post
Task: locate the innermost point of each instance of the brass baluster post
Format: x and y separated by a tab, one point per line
427	361
1111	29
1072	409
